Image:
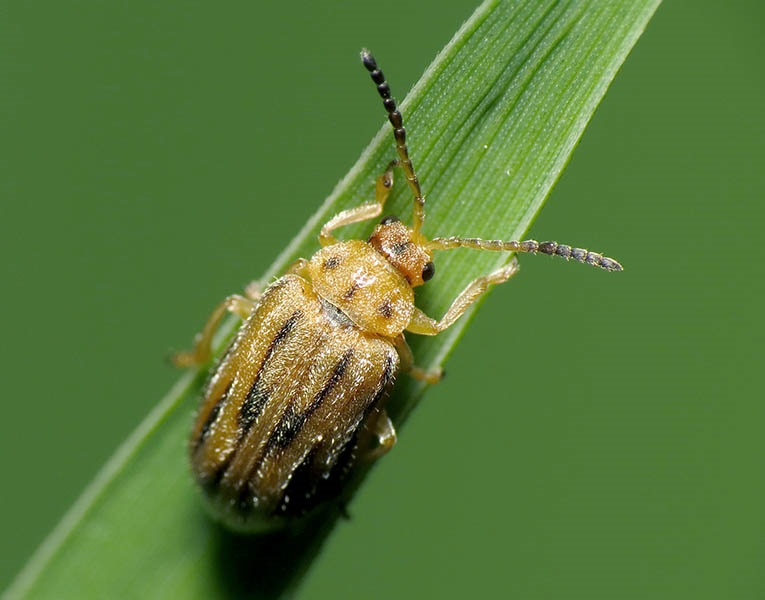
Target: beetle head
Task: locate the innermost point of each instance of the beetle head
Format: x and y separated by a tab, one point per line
405	249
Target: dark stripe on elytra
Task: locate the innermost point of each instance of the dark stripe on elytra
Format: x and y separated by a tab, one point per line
311	484
292	422
288	326
252	407
249	410
386	380
383	387
253	404
257	397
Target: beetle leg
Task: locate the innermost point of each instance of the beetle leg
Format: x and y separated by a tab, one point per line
408	366
299	267
380	425
254	290
239	305
367	211
424	325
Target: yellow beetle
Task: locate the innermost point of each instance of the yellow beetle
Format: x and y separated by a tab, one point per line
299	396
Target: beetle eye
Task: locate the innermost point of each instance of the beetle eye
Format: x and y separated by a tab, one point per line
389	219
428	271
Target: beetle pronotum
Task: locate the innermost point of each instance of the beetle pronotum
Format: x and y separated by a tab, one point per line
300	393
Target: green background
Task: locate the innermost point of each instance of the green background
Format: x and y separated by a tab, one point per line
609	443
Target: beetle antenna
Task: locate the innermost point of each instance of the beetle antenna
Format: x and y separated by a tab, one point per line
394	116
530	247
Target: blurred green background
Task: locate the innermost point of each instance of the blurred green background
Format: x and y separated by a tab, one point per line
155	157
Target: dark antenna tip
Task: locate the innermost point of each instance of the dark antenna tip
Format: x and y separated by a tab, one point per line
368	60
399	134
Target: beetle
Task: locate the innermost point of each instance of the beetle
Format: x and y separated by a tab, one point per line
299	396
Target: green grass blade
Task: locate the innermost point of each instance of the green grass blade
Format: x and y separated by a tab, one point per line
491	126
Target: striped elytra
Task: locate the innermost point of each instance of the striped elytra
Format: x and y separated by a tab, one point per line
290	395
299	396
